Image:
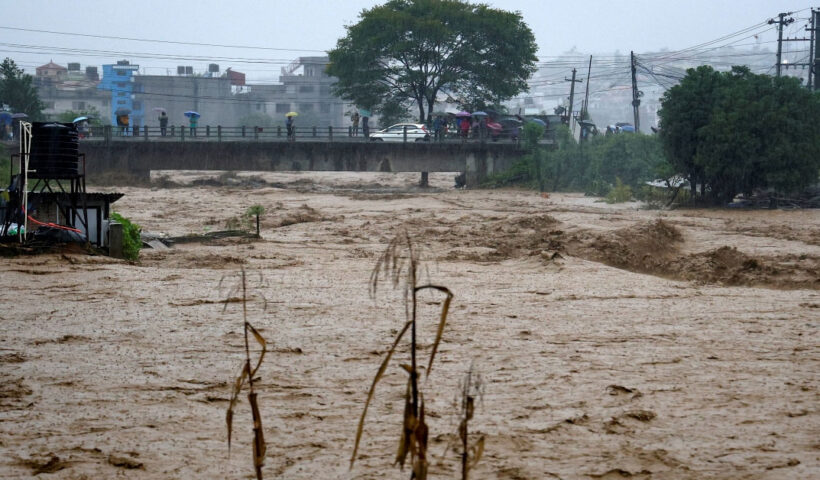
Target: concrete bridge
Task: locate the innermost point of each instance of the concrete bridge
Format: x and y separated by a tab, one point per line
138	157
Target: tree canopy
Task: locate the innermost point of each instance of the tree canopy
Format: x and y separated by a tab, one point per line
17	91
735	132
418	49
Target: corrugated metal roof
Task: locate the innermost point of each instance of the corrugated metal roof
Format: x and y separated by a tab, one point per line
92	196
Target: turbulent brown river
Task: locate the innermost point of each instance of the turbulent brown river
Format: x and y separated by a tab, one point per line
612	341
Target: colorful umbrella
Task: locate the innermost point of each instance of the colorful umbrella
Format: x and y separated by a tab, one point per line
191	113
291	114
463	114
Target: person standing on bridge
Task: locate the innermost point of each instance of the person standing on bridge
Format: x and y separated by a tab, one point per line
122	122
438	128
163	123
355	119
290	126
192	122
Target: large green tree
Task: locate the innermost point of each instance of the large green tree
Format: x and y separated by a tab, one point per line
18	92
735	132
416	49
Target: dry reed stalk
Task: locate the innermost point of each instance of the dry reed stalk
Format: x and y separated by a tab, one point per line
248	374
471	389
399	264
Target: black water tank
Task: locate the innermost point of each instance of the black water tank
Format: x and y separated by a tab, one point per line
55	150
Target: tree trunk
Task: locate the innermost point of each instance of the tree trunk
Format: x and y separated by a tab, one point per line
420	102
431	102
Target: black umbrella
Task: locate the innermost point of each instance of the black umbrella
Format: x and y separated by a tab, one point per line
122	111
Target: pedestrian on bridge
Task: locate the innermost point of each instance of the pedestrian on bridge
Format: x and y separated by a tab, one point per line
122	122
355	119
464	126
438	128
289	123
192	122
163	122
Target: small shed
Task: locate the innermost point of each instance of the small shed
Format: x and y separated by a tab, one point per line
53	206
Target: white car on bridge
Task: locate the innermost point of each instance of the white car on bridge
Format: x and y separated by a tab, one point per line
416	132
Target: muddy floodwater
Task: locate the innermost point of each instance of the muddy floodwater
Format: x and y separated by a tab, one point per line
612	341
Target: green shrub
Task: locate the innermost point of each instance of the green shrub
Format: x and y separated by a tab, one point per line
620	193
597	188
131	241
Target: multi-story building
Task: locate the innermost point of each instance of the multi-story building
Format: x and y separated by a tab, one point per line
304	88
62	89
119	80
220	98
210	94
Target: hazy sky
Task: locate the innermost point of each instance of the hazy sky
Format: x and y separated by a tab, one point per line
284	30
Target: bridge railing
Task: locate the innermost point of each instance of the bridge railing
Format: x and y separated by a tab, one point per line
204	133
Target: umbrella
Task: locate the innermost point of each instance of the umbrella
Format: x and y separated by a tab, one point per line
79	119
158	109
627	128
463	114
122	111
511	120
191	113
291	114
19	115
538	121
480	114
364	112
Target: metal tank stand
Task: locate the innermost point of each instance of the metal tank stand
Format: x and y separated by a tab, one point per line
44	181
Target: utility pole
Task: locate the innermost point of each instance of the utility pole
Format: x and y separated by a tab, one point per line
636	100
781	22
571	98
814	57
585	110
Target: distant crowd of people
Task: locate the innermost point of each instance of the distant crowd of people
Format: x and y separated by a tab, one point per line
442	126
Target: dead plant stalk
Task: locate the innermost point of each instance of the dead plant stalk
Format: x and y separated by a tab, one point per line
399	264
248	373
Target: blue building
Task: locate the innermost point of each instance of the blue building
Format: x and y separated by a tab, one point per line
120	81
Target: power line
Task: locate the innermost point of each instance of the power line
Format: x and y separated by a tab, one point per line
250	47
158	56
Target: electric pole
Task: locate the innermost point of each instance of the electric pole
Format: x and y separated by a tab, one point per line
636	100
585	110
781	22
814	57
571	98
